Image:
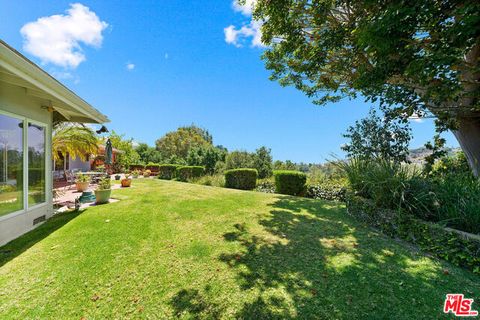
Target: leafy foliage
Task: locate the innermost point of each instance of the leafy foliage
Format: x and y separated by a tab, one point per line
241	178
76	140
129	155
175	145
239	159
148	154
206	156
377	138
327	190
386	50
459	249
262	161
290	182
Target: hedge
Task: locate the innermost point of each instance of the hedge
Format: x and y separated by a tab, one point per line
242	178
457	247
188	172
167	171
290	182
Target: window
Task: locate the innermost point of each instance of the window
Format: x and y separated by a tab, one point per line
11	164
36	164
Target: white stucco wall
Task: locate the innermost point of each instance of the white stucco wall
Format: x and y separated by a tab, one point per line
16	101
78	164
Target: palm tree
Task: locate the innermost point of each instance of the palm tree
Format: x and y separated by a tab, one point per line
74	139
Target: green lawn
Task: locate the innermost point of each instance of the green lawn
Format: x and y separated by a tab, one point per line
177	250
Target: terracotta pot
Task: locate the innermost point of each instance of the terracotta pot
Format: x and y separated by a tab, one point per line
126	182
102	196
82	186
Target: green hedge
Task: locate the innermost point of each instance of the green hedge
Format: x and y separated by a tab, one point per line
457	247
167	171
243	178
188	172
290	182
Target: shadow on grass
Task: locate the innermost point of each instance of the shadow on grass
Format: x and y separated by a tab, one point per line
313	261
16	247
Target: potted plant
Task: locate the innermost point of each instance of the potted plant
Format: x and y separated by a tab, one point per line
135	173
117	176
103	192
82	182
127	181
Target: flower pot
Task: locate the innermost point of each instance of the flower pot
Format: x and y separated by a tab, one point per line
117	177
126	182
102	196
82	186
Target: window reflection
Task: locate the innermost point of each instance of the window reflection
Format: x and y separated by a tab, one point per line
36	164
11	165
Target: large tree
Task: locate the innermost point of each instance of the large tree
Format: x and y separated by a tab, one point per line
418	57
176	144
74	139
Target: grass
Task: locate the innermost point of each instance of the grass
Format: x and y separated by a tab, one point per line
178	250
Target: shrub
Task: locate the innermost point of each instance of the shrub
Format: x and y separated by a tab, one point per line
266	185
290	182
167	171
147	173
391	185
242	178
327	190
185	173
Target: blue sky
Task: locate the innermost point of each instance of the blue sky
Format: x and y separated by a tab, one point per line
152	66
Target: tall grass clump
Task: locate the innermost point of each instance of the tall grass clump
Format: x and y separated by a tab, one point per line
390	185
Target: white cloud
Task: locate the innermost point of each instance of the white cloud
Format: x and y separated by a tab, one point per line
130	66
246	9
250	31
57	39
238	37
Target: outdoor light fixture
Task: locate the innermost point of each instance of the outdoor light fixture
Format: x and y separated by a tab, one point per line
103	129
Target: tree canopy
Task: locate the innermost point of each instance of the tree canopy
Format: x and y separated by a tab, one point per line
176	144
417	57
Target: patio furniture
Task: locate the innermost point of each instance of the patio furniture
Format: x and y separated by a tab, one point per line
69	178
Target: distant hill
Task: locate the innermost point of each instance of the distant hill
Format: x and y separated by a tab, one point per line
418	155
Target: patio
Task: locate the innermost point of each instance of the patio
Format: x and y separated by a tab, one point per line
65	194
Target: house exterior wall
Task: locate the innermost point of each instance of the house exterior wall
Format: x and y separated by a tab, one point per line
79	164
14	101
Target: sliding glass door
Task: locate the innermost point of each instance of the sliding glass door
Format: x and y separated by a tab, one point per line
11	164
21	148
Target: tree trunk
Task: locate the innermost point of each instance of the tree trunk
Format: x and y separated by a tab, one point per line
468	135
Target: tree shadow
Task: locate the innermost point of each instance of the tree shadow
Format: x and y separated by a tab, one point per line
196	305
19	245
313	261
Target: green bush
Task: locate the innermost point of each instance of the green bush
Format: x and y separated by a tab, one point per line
153	167
290	182
185	173
327	190
167	171
138	167
242	178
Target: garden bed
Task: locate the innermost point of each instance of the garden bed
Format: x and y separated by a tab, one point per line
458	247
